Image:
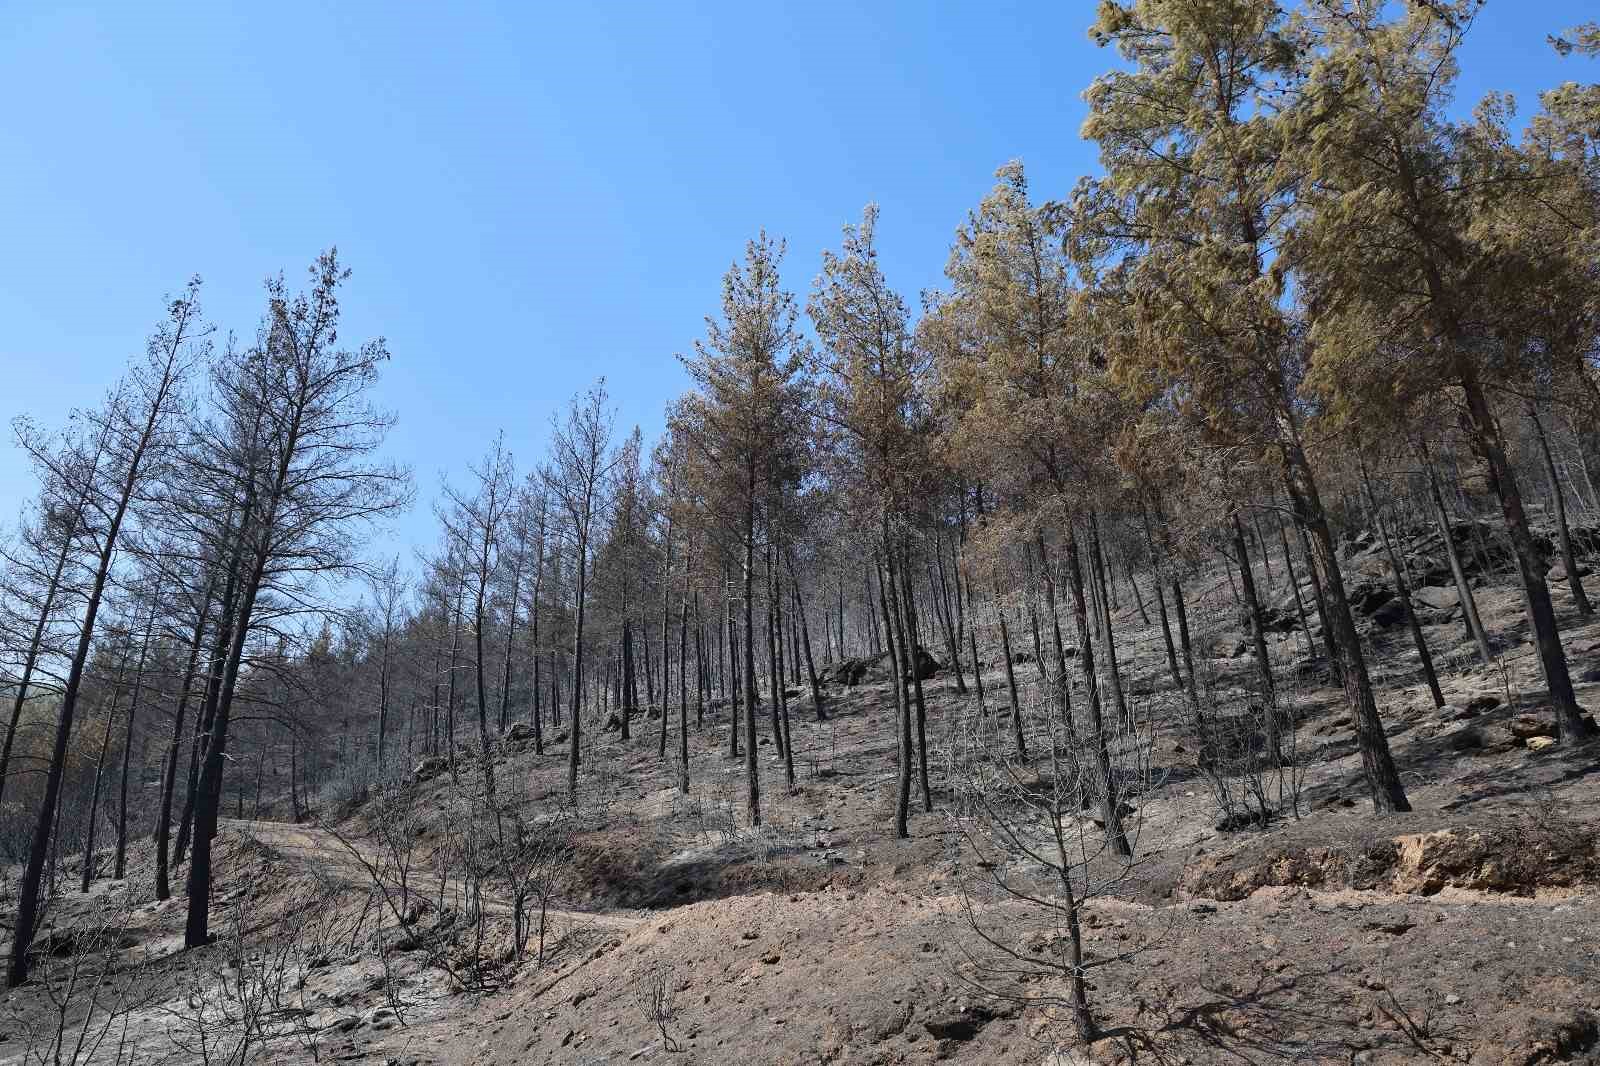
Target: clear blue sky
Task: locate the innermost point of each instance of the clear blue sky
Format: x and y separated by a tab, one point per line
529	194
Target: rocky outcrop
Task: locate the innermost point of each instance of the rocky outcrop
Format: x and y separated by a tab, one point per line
1515	861
861	669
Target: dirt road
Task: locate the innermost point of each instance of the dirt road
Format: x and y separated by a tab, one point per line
352	861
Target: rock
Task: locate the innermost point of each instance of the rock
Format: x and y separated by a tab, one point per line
874	1021
927	665
1462	736
1436	599
1233	823
1274	618
1590	676
519	733
1492	860
1366	596
430	768
854	671
1389	612
960	1025
857	669
1525	727
1479	704
1540	743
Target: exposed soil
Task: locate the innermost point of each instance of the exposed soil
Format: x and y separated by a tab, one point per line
1467	930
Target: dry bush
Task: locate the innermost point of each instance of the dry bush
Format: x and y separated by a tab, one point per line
247	992
654	989
1246	748
1033	855
89	983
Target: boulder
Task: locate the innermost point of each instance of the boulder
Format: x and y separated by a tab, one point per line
1462	736
1525	727
1390	612
430	768
1558	573
927	665
1492	860
1228	648
1436	599
519	733
1367	595
1275	618
855	671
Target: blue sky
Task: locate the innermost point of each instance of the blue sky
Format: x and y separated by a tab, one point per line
530	195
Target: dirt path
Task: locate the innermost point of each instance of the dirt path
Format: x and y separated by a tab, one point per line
315	848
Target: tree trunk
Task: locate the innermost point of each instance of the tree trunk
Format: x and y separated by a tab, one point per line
169	772
1105	778
941	604
782	672
1469	603
505	677
1294	588
914	656
774	662
751	768
683	694
575	728
1564	534
1011	681
99	774
1183	638
1402	590
902	704
120	867
1383	780
1113	671
1138	597
805	643
20	698
1258	641
1570	723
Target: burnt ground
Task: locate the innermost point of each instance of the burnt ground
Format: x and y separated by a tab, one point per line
1466	930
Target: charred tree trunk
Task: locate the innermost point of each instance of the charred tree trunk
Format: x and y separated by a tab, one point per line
1569	559
1469	603
1383	780
1099	741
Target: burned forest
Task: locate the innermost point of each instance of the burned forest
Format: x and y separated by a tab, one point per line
1172	638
